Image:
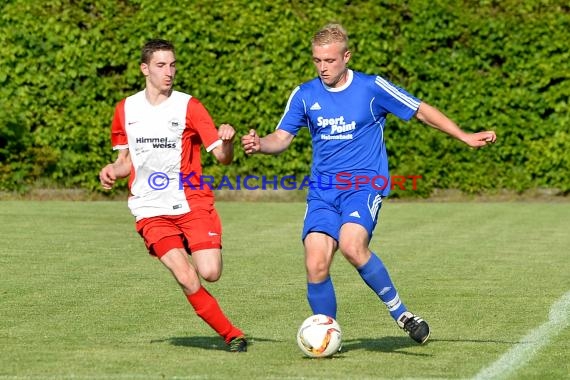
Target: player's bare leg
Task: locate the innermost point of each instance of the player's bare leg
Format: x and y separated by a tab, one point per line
204	304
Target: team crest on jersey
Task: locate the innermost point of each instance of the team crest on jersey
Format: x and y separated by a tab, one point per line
175	126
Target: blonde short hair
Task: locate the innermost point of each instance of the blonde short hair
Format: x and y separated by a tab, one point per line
329	34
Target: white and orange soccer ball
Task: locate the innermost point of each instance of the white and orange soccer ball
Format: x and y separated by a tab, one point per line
319	336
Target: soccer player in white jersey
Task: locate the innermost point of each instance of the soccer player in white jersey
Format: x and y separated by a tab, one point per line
345	112
158	133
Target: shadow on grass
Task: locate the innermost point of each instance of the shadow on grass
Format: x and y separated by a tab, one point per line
205	342
395	344
385	344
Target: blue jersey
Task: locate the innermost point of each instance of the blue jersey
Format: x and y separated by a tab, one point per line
347	125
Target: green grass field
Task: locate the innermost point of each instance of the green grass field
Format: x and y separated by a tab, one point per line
81	299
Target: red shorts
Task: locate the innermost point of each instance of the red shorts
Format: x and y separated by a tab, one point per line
196	230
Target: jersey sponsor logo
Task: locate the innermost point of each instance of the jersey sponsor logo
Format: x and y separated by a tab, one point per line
157	142
338	126
336	137
343	128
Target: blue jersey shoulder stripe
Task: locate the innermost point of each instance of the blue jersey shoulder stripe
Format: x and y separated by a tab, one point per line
288	106
401	97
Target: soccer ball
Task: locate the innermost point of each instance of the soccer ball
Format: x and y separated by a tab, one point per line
319	336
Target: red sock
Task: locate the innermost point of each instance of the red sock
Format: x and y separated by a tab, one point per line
209	310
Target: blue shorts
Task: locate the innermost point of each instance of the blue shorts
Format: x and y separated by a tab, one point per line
327	210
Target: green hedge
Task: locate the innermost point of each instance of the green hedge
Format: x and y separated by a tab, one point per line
500	65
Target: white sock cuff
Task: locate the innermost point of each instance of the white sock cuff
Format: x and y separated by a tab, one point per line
393	304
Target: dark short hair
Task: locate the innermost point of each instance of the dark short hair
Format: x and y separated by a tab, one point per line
154	45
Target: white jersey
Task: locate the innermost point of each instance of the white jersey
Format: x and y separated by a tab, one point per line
164	143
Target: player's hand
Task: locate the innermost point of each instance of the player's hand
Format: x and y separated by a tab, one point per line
251	142
479	139
107	177
226	133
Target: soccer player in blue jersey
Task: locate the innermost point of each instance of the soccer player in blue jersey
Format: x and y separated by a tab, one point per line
345	112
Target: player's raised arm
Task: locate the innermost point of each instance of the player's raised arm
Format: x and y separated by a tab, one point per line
274	143
435	118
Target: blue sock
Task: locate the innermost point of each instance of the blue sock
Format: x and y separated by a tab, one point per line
376	276
322	298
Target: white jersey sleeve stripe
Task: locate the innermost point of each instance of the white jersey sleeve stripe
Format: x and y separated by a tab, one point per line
288	105
214	145
121	147
403	98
